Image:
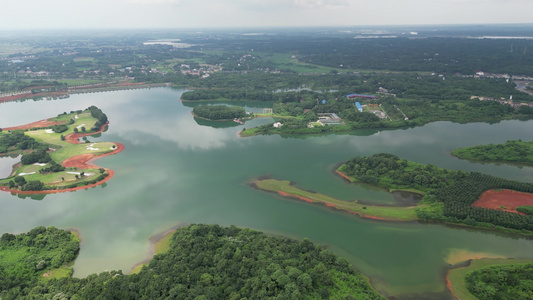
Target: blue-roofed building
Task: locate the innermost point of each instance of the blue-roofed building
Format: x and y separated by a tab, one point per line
359	107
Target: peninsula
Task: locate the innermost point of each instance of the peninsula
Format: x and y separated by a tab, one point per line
53	159
458	197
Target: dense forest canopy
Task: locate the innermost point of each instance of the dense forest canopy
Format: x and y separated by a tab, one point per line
25	257
213	262
219	112
501	282
511	151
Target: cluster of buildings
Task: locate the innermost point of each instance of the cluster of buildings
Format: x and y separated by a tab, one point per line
503	101
203	71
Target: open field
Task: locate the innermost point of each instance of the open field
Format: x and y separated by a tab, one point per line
286	61
286	189
505	200
456	277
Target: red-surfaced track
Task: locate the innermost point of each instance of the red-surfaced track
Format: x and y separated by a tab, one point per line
505	200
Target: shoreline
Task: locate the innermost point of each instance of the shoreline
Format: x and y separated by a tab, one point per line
154	240
75	91
341	207
479	263
30	96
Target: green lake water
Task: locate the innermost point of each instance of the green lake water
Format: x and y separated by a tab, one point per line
176	170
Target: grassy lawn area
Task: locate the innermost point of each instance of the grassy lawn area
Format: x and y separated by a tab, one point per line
75	82
59	179
371	211
48	138
57	273
457	276
84	148
285	61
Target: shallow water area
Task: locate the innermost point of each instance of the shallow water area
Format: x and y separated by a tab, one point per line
174	170
6	164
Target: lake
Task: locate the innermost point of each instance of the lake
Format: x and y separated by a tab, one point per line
175	170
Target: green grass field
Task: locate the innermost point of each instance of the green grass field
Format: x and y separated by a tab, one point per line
390	213
61	154
457	276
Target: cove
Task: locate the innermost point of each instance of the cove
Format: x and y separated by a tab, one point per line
174	170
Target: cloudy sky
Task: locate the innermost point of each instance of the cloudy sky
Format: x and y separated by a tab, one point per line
51	14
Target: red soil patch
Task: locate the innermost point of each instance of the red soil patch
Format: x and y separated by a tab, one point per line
86	161
509	199
73	138
371	217
285	194
344	176
42	123
449	284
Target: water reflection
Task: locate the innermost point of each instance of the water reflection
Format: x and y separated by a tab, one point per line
215	124
6	164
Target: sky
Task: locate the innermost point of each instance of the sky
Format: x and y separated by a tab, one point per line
98	14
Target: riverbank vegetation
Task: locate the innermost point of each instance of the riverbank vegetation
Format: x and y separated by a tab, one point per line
44	170
229	263
501	282
27	258
449	194
517	152
476	281
219	112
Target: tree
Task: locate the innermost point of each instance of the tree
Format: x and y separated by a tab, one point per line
20	181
